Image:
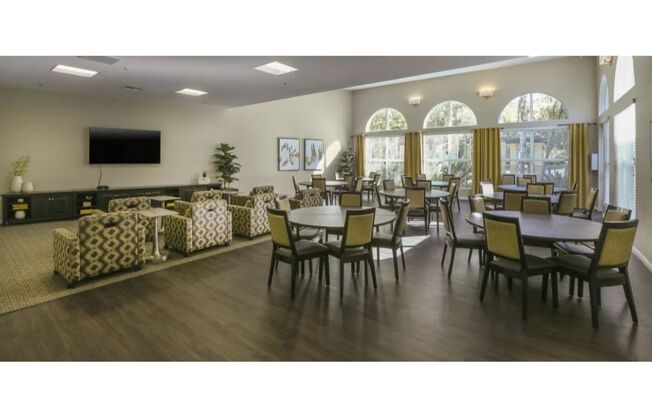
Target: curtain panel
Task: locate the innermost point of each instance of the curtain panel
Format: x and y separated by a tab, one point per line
412	154
578	161
360	149
486	157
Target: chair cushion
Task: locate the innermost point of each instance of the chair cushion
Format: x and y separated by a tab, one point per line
575	248
305	248
534	264
309	233
579	265
334	247
471	239
381	239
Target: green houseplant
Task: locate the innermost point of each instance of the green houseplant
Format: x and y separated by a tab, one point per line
347	162
225	163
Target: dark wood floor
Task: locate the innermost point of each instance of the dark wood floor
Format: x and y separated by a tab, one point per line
221	309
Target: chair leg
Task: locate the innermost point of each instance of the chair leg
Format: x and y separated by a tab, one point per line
555	291
303	267
378	254
580	287
352	268
510	281
485	279
438	222
630	297
373	269
544	289
341	278
394	256
294	278
594	305
450	265
327	267
571	285
402	256
470	254
458	203
271	271
310	266
443	256
321	267
524	296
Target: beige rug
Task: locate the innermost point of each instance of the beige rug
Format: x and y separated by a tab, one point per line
26	275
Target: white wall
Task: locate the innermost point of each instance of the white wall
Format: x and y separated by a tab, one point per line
52	129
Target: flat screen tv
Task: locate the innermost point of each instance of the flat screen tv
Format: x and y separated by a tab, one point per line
115	146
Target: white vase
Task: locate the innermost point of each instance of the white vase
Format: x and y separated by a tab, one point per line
28	187
17	184
20	215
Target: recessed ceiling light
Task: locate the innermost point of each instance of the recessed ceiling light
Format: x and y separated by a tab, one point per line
275	68
71	70
190	91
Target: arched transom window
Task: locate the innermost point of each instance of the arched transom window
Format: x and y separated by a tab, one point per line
624	79
603	104
533	106
450	114
386	119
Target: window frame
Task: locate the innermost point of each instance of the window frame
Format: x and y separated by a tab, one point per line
390	134
444	131
530	111
465	126
386	109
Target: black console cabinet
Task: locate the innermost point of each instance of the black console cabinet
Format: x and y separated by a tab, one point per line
66	205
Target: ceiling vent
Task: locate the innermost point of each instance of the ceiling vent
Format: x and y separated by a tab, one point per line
108	60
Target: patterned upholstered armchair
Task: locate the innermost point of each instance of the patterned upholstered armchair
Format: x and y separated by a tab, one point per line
206	224
250	214
134	204
310	197
104	243
183	207
265	189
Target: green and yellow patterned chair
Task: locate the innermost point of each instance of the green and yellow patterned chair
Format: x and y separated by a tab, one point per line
138	203
183	207
265	189
310	197
250	214
104	243
205	224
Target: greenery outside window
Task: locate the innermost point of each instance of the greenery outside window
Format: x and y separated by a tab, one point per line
448	154
384	155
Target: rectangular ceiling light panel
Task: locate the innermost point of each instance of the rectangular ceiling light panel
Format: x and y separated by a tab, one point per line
275	68
71	70
190	91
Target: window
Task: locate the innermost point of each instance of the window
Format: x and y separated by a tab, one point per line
384	155
543	152
450	114
533	106
386	119
605	162
624	181
603	103
624	79
448	154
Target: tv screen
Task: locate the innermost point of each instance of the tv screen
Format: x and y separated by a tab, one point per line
112	146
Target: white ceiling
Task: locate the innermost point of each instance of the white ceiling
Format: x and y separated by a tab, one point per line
229	81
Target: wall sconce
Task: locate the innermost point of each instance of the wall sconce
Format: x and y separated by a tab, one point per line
415	101
486	92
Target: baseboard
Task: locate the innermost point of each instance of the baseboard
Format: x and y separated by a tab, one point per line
647	263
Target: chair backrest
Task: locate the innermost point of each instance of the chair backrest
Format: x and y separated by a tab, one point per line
311	197
358	185
389	185
377	178
348	178
591	200
536	205
283	204
407	181
417	197
447	219
453	190
427	185
508	179
512	200
549	187
379	200
401	219
487	188
316	176
524	181
503	237
260	203
358	228
614	248
533	178
614	213
421	177
296	186
207	217
446	177
137	203
476	203
319	184
535	189
567	203
264	189
201	196
351	200
280	228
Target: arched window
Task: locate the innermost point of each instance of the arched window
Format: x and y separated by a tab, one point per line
386	119
624	79
603	103
533	106
450	114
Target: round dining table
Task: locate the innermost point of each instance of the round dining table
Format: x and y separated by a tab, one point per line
439	184
329	184
499	196
332	217
399	193
519	188
547	228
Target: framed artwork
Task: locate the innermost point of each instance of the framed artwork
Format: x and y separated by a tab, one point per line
313	154
288	153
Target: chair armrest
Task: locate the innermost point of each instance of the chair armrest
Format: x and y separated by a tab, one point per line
66	255
182	207
295	203
240	200
178	233
241	220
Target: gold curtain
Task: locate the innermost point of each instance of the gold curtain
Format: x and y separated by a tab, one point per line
578	161
486	156
412	155
360	142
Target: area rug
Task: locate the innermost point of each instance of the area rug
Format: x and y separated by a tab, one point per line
26	273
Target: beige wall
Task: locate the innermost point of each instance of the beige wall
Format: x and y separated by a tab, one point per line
642	92
52	129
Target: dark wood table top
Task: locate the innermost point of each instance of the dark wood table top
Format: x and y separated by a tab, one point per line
332	217
498	196
400	193
550	228
329	184
518	188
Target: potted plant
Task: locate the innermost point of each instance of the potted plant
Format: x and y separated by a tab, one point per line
225	163
347	162
18	170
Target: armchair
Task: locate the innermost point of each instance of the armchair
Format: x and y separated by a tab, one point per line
310	197
205	224
250	214
104	243
264	189
183	207
138	203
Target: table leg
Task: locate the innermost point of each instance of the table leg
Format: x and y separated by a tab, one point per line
157	256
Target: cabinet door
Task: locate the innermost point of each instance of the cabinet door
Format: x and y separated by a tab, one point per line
51	207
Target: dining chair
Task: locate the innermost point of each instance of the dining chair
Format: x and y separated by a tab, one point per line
506	255
317	176
512	200
607	267
535	189
486	187
355	245
587	213
508	179
421	177
536	205
290	251
357	185
566	203
297	189
427	185
380	203
477	204
320	185
446	177
524	181
351	200
453	240
549	187
406	181
533	178
419	206
369	187
300	233
393	240
389	185
454	191
348	178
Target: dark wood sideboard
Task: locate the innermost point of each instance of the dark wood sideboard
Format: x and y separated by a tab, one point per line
72	204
